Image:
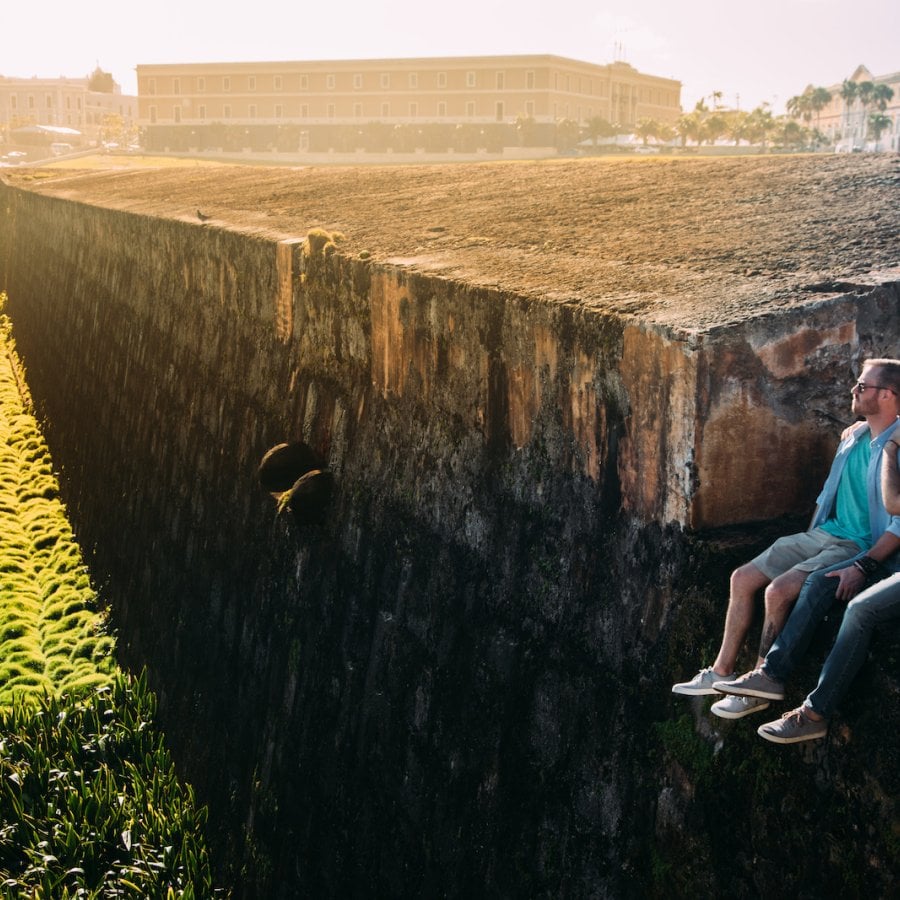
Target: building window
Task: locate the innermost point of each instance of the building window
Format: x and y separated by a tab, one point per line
201	111
151	86
385	80
251	82
226	111
201	85
177	111
442	79
529	108
329	82
13	99
499	112
152	115
226	83
470	109
385	110
176	85
304	82
330	110
279	111
357	82
48	98
277	84
251	112
413	110
357	110
529	80
304	111
442	108
413	80
500	81
470	79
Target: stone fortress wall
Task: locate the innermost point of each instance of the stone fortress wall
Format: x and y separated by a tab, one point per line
436	690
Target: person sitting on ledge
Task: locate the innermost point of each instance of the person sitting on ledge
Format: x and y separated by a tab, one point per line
849	516
877	604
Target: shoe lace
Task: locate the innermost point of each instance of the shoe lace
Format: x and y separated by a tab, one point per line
794	716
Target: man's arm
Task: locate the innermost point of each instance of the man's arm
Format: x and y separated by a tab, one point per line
852	579
890	478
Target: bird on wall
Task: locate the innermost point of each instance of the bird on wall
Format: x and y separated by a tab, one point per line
202	216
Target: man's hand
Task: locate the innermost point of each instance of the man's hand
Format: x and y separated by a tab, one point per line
852	581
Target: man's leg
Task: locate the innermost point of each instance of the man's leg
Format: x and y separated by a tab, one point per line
745	582
781	595
872	607
767	682
814	603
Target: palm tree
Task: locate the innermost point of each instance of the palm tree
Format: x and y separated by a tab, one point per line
819	98
647	128
758	124
882	94
735	124
865	91
849	91
599	127
799	107
879	122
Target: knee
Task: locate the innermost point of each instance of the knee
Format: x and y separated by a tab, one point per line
779	598
859	614
746	579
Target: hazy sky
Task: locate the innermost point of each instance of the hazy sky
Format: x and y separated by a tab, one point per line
752	51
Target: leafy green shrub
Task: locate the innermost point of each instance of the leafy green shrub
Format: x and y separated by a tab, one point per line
90	805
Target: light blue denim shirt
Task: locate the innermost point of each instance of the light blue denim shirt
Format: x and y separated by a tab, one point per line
879	519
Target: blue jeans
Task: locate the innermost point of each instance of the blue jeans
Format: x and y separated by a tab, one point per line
873	606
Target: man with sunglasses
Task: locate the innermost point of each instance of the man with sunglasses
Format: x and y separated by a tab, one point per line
850	521
869	584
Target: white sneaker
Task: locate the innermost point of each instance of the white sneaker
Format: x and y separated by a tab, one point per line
734	707
701	684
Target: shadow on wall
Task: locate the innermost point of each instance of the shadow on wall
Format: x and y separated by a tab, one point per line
293	474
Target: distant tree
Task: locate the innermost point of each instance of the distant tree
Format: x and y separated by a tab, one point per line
790	132
567	133
646	129
758	125
101	82
525	130
690	127
714	126
882	94
878	124
735	125
599	127
819	98
848	95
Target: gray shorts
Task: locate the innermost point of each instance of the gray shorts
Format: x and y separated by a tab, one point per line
805	552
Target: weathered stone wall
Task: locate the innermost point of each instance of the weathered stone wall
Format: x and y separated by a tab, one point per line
459	683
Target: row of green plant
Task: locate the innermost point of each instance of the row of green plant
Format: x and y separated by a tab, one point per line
52	636
90	804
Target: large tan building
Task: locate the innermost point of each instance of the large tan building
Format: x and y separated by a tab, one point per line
319	102
846	124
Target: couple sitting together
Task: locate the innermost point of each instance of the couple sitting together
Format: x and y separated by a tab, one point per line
848	556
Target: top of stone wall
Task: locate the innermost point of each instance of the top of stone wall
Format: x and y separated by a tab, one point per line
688	244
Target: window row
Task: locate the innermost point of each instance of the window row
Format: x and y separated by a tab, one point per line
330	111
385	81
